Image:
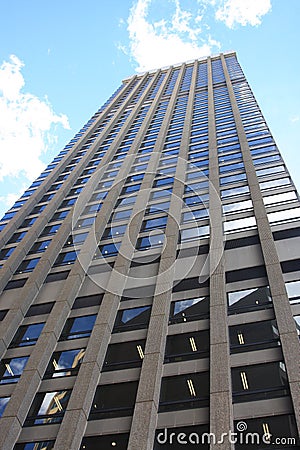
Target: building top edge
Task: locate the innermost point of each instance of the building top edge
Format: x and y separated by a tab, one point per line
179	64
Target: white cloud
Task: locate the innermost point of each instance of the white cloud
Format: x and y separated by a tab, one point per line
165	42
242	12
295	119
26	124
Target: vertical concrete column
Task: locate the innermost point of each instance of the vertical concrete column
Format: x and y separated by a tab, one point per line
145	413
283	314
74	423
14	317
28	385
12	263
221	411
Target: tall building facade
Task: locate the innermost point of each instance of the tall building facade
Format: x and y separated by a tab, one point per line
150	277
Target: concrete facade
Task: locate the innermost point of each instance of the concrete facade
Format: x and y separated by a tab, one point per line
150	276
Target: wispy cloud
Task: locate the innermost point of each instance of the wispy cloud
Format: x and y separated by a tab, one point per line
26	124
160	43
295	119
242	12
183	34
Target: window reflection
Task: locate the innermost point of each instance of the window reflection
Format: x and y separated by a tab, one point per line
293	290
189	310
48	407
11	369
78	327
132	319
27	335
3	403
249	300
65	363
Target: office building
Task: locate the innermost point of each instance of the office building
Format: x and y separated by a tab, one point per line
150	276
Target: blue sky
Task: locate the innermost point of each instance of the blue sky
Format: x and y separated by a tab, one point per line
60	61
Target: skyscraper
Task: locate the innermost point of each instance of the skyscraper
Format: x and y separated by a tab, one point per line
150	277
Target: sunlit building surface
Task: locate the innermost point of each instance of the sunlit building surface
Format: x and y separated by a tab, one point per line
150	277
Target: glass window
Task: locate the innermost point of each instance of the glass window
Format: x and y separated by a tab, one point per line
124	355
65	363
87	222
259	382
121	215
114	400
293	290
189	310
253	336
280	198
163	182
150	242
190	234
249	300
108	250
17	237
65	258
132	319
152	224
114	231
186	346
88	301
232	178
195	214
235	191
285	215
39	247
51	230
47	408
269	170
131	188
3	403
158	208
120	441
6	252
231	208
274	183
78	327
27	265
43	308
11	369
234	225
27	335
3	313
184	392
37	445
76	239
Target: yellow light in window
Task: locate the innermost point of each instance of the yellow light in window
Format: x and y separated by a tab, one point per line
244	380
241	338
266	431
191	387
193	344
9	370
55	364
58	404
140	351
